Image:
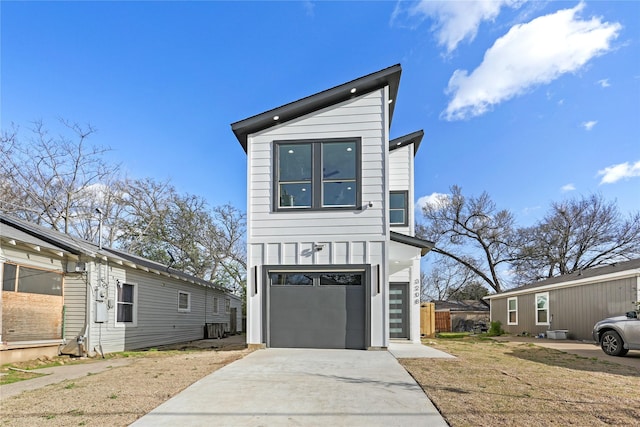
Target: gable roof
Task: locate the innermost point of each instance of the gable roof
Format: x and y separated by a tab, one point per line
33	234
387	77
413	138
590	275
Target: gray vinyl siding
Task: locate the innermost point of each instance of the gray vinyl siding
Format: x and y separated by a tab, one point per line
158	320
576	308
75	302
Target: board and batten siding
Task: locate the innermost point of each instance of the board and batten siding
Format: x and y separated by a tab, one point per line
347	237
575	308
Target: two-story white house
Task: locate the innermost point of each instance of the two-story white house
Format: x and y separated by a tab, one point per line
332	257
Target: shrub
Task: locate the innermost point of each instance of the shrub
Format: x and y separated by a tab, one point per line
495	329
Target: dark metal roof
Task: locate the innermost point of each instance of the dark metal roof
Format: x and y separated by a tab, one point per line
413	138
387	77
78	247
152	265
466	305
52	237
617	267
424	245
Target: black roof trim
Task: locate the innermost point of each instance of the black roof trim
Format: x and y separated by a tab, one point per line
424	245
387	77
413	138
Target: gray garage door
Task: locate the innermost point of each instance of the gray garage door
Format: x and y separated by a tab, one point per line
317	310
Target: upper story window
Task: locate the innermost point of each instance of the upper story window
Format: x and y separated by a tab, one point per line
398	208
317	174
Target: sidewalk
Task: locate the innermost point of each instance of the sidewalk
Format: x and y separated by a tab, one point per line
60	373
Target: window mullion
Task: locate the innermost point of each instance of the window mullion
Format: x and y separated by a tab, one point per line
317	180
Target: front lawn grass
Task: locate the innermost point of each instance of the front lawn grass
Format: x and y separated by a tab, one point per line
520	384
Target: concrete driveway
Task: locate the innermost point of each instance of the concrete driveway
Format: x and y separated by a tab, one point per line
310	387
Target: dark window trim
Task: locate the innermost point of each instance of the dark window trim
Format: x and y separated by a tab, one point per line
406	209
316	181
315	273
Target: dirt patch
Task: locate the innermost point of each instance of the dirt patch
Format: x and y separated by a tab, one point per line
492	383
119	396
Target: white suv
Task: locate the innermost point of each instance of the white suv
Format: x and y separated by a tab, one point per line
617	335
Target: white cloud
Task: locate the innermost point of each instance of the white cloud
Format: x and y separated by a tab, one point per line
434	199
568	187
309	8
615	173
589	125
530	210
604	83
455	21
529	55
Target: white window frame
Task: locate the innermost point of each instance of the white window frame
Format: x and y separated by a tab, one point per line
216	302
188	308
546	295
509	311
134	323
227	305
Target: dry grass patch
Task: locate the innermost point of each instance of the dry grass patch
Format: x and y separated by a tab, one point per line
118	396
493	383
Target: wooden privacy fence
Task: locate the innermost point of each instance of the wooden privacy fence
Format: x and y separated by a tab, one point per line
427	319
443	321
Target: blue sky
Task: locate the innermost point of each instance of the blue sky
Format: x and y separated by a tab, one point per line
532	102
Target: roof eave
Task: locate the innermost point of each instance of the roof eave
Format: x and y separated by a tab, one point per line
424	245
413	138
387	77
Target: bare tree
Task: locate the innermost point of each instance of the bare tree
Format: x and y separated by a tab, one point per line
576	234
181	230
473	232
446	277
46	179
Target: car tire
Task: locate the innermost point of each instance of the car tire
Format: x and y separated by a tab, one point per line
612	344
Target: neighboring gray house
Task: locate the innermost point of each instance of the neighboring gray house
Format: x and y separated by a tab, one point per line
573	302
332	257
56	288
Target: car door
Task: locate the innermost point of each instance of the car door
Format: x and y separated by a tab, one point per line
632	333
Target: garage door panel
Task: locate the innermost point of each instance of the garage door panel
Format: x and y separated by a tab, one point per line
317	316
